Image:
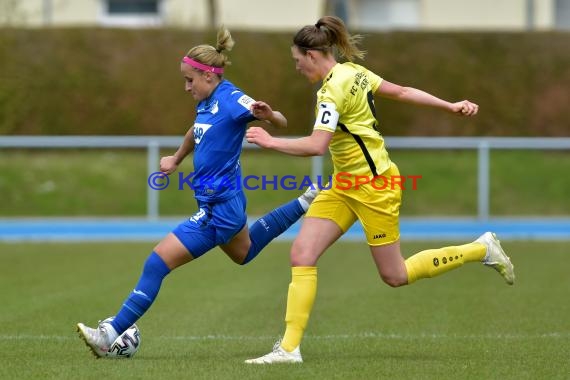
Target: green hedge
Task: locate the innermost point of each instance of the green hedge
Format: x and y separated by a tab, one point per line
104	81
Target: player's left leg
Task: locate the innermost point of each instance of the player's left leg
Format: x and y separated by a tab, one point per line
396	271
378	212
169	254
188	241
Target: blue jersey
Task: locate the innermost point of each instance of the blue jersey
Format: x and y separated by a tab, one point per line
219	129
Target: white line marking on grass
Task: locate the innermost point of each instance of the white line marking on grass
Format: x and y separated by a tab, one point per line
366	335
34	337
375	335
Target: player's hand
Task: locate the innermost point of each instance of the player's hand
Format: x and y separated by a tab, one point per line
261	110
168	165
465	108
258	136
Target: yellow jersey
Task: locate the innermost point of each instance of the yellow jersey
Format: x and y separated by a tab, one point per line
345	106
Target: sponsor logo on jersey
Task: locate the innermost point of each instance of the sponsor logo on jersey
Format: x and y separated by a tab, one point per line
200	130
245	101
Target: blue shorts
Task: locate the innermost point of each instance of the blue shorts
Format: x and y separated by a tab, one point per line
214	224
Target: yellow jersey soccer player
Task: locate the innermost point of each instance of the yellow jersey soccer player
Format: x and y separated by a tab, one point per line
346	125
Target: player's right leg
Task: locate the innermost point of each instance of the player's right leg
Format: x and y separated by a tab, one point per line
328	218
315	237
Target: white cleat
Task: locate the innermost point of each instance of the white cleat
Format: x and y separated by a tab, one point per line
496	257
278	355
96	339
309	196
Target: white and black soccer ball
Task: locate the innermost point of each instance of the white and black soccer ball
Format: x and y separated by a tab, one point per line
127	344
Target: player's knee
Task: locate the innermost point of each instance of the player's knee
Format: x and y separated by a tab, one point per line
394	279
301	255
244	258
242	255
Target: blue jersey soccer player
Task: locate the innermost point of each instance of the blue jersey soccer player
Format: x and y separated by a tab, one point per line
222	114
346	125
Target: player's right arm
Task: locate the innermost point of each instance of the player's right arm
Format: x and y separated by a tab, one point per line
314	145
169	164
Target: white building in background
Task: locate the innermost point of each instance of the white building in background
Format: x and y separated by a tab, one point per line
197	14
455	14
290	14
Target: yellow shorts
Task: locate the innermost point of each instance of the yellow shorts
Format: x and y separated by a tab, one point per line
377	209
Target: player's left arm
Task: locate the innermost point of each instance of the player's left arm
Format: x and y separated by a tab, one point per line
263	111
414	96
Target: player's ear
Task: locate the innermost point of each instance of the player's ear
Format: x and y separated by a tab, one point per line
212	77
311	54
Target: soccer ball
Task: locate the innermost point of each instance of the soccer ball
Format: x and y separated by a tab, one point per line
127	344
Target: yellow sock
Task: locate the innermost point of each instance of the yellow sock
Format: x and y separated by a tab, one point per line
300	300
433	262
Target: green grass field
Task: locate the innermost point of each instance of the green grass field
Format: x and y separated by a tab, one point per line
114	183
212	314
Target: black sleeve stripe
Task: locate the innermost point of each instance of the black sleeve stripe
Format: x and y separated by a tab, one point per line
370	98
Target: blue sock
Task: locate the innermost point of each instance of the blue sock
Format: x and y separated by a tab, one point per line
143	295
272	225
